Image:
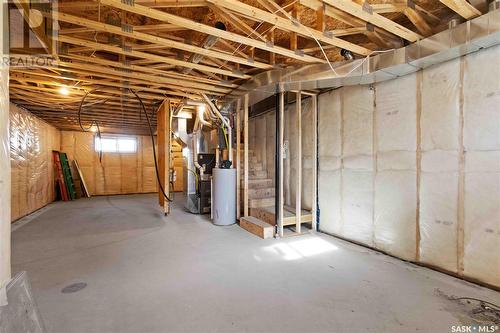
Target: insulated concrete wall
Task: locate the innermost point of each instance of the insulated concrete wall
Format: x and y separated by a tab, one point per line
411	166
4	159
117	173
31	143
290	163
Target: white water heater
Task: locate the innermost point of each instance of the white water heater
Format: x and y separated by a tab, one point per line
224	196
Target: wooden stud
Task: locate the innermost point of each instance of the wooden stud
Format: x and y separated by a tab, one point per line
461	177
281	156
419	162
238	159
163	123
245	138
315	161
298	176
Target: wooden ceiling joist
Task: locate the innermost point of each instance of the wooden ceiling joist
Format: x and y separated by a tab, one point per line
149	46
462	8
192	25
148	56
188	79
289	25
157	40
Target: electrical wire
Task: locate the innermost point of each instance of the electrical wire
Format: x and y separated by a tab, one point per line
143	107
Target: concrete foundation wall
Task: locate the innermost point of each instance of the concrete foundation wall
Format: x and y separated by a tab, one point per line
411	166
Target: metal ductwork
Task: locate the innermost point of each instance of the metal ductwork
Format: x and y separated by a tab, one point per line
210	41
471	36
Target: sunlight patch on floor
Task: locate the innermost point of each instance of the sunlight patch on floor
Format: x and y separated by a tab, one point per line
301	248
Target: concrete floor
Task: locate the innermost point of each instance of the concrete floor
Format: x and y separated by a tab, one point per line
146	273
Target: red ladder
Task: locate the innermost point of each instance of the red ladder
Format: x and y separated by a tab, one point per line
60	177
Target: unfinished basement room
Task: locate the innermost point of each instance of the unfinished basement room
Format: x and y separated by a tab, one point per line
250	166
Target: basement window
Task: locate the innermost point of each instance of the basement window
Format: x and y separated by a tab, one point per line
115	144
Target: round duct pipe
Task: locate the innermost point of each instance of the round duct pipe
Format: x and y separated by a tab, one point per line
494	5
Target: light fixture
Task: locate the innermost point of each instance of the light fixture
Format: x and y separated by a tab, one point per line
93	128
64	91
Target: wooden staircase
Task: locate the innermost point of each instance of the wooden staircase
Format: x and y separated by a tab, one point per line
261	200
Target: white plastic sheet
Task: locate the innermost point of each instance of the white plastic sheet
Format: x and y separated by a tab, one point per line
482	166
451	182
395	180
5	177
31	143
440	165
329	150
118	173
357	175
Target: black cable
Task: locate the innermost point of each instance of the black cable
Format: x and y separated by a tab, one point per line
99	132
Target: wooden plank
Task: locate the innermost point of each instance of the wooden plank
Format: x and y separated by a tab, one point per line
161	121
245	148
257	227
86	191
156	72
298	167
148	56
163	135
190	24
462	8
164	42
315	160
378	20
287	25
418	21
281	160
238	159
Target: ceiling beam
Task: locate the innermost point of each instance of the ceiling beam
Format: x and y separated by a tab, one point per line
378	20
290	25
168	43
462	8
148	56
192	25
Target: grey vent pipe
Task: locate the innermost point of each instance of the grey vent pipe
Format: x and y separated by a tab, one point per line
210	41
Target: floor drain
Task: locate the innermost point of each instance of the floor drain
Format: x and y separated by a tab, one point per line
73	288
